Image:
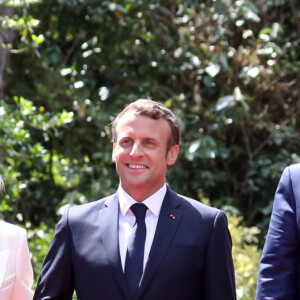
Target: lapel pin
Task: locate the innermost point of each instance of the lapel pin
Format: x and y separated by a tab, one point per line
172	216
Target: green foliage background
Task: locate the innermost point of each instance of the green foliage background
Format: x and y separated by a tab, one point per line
228	69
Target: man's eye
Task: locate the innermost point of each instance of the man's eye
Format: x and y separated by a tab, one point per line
125	142
150	143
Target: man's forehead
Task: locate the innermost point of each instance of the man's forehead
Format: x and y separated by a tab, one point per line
130	115
129	118
127	126
143	132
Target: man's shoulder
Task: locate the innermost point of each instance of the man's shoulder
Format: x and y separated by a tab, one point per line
90	207
201	206
194	205
292	173
294	168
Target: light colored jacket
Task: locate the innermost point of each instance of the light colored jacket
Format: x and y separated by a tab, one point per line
16	275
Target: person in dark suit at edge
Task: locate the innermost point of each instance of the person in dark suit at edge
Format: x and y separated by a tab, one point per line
145	241
279	269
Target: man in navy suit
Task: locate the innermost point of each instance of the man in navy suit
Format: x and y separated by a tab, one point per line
279	270
186	245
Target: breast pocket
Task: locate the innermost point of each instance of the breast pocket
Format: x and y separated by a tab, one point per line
186	256
182	263
184	250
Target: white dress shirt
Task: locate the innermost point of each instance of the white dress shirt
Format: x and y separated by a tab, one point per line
127	220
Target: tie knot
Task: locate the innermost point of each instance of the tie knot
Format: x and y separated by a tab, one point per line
139	210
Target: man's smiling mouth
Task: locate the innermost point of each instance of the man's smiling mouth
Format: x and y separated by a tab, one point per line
136	167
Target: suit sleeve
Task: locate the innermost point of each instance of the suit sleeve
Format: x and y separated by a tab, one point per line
278	270
24	274
219	271
56	279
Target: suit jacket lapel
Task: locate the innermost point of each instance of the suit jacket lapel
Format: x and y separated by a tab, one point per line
108	218
169	219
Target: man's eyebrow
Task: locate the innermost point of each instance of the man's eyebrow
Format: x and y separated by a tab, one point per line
152	139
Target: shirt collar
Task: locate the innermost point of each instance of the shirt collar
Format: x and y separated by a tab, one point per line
154	202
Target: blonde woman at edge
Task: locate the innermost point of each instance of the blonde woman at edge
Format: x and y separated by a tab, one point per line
16	274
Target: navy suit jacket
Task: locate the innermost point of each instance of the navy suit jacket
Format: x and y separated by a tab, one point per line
190	258
279	271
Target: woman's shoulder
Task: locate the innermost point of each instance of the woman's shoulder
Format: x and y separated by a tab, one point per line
11	229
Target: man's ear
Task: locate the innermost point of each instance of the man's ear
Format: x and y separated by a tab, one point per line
172	155
113	154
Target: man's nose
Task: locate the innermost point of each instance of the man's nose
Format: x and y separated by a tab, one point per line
136	150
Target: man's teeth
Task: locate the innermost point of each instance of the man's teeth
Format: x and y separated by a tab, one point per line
136	167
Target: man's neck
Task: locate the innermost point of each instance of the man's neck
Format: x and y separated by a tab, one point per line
141	194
